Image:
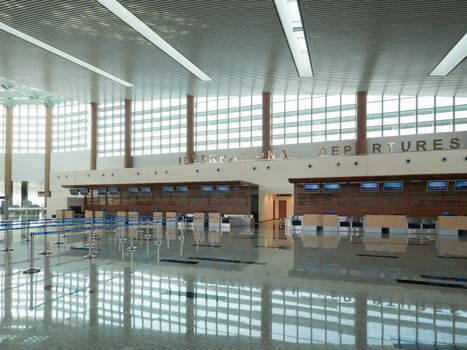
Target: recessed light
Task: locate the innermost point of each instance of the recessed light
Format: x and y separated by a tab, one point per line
291	20
134	22
62	54
452	59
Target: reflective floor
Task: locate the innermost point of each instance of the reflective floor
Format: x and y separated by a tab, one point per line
258	288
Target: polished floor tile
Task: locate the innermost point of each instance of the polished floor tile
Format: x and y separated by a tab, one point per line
260	288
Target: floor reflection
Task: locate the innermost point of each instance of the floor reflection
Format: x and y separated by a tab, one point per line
322	289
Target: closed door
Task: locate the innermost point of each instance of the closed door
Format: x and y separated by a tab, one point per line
282	209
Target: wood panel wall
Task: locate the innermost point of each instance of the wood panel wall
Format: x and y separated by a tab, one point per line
413	201
238	201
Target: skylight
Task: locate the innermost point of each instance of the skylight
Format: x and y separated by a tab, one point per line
289	14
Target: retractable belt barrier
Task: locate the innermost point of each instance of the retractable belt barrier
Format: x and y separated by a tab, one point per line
64	226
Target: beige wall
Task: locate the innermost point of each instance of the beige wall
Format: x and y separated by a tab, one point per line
272	180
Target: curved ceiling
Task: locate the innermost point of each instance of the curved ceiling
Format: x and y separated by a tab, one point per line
374	45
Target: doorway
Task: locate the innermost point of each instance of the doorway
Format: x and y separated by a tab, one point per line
282	209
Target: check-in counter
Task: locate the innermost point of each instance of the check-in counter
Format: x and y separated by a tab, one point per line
99	216
311	222
199	220
329	222
215	220
293	224
388	223
133	217
451	225
171	219
237	220
158	218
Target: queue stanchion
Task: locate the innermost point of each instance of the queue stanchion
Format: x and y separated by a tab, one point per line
90	255
132	231
7	239
58	241
140	232
31	269
46	250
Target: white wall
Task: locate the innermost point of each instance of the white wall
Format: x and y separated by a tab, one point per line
28	167
157	159
110	162
69	161
266	203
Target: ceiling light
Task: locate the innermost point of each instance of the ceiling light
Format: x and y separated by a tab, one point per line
289	15
452	59
60	53
134	22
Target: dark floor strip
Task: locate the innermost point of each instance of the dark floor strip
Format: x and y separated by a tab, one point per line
444	278
206	245
452	257
262	246
434	284
180	261
232	261
378	256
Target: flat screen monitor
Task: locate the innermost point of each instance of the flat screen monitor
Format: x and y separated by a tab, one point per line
182	189
460	185
393	186
223	189
102	191
167	189
83	191
145	190
369	186
74	191
311	187
113	190
207	189
133	190
437	185
332	187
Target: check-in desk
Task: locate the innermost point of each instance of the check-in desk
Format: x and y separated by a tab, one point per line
311	222
237	220
171	219
387	223
451	245
395	243
214	220
451	225
199	220
65	216
293	224
329	222
133	218
324	240
158	218
99	216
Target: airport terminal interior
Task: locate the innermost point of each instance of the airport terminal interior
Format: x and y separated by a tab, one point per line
257	174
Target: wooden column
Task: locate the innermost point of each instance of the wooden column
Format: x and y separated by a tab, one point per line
190	128
361	144
8	151
93	135
266	124
48	149
128	158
